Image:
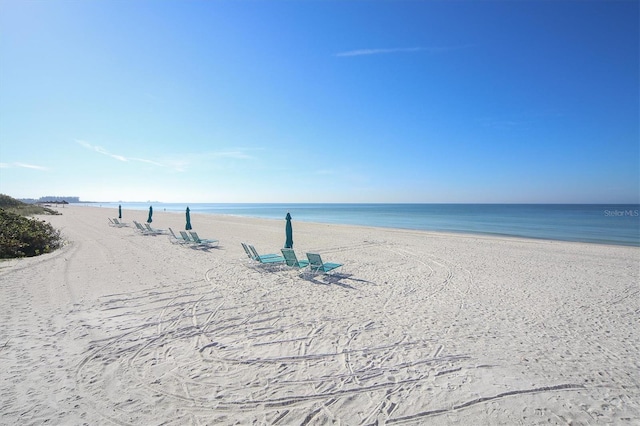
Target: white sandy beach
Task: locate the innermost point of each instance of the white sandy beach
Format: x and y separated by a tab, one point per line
416	328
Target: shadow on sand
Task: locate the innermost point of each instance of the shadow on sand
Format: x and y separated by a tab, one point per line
339	279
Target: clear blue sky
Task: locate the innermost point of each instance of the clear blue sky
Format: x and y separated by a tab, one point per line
321	101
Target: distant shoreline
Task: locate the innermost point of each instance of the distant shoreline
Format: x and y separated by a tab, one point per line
616	224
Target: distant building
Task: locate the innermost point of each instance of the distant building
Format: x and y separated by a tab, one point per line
58	199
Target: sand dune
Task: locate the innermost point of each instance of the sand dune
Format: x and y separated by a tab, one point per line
415	328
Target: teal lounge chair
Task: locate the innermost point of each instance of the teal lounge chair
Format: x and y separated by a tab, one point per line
265	258
251	256
143	230
192	242
197	239
292	260
247	251
186	237
117	223
317	265
176	239
153	230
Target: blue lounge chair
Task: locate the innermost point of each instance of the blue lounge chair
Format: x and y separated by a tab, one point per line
143	230
153	230
265	258
292	260
186	237
194	243
176	239
317	265
247	251
116	223
250	254
198	240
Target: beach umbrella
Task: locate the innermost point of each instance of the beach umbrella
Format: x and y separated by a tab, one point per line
188	226
119	211
150	214
289	232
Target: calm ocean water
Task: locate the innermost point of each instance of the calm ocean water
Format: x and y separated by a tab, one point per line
594	223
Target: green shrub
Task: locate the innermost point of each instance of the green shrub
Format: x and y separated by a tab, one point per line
6	201
24	237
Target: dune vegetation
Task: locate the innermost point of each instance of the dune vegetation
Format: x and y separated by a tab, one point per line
22	236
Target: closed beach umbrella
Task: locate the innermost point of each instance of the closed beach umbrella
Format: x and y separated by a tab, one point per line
289	231
119	212
188	226
150	214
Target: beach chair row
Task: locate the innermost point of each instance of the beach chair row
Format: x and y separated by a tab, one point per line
145	229
192	238
314	261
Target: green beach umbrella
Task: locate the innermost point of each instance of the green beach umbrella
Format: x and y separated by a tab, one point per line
149	220
119	211
188	226
289	232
